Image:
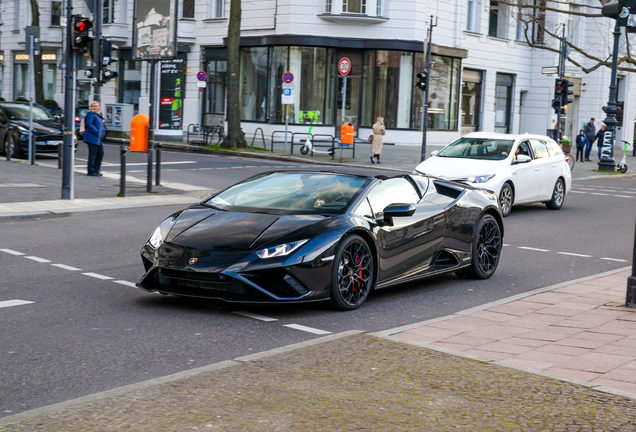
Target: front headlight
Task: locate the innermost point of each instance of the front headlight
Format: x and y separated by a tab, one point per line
280	250
480	179
156	239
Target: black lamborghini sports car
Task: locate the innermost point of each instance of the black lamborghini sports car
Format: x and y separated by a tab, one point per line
286	237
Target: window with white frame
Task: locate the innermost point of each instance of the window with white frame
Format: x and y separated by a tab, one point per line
354	6
187	9
473	16
574	24
380	8
217	9
497	22
108	12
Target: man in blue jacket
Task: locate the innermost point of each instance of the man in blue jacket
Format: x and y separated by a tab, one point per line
94	136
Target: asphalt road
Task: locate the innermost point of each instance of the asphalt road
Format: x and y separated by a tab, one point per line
85	333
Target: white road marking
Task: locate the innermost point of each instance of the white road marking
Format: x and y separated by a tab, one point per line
9	303
573	191
623	196
614	259
574	254
255	316
12	252
123	282
534	249
505	244
65	267
162	163
306	329
601	194
37	259
97	276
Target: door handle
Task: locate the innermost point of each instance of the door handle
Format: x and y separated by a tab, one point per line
537	169
553	165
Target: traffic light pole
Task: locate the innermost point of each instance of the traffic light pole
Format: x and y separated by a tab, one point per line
428	78
69	119
607	162
151	129
97	48
562	56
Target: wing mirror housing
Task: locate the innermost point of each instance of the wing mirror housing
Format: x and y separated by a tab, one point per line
523	159
434	153
396	210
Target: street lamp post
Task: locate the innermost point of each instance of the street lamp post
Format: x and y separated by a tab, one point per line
2	59
607	163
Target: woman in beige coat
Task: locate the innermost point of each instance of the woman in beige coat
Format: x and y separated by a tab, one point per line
378	140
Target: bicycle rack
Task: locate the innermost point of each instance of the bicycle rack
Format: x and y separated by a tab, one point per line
262	139
279	142
333	143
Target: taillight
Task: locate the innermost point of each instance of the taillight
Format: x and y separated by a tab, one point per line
77	119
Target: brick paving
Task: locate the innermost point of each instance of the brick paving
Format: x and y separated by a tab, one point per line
518	365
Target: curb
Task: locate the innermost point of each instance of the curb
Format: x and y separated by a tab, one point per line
170	378
183	148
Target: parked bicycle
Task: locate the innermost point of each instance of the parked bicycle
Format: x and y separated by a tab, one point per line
566	146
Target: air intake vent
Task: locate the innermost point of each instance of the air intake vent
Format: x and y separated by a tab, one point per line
447	190
446	259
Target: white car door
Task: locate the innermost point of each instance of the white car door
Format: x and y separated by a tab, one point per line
545	170
525	176
557	161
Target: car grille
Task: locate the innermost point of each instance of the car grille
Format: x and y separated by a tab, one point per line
199	280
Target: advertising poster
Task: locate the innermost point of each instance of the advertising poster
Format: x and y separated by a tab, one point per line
117	118
155	29
109	116
172	93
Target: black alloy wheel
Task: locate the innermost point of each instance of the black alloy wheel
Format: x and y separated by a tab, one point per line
352	274
486	249
558	196
506	198
10	147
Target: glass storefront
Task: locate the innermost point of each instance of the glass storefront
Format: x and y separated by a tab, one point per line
472	85
503	102
21	76
381	83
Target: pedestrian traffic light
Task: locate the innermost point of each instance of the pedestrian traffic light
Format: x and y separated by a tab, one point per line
107	75
107	52
421	84
82	33
565	95
559	87
623	11
556	105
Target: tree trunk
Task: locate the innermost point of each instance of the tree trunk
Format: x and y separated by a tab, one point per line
36	62
235	138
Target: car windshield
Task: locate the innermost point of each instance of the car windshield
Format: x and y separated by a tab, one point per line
21	112
291	193
478	148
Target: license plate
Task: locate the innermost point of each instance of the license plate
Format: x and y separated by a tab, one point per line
53	142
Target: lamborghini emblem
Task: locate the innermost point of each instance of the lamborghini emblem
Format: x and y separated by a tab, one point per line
193	260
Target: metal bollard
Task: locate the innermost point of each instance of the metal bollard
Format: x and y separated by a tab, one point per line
122	175
60	149
158	180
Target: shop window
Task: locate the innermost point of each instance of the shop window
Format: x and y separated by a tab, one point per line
393	88
216	90
503	102
187	10
20	80
129	83
443	93
354	6
1	74
473	15
254	84
368	86
279	60
56	13
217	8
472	90
309	66
108	12
48	78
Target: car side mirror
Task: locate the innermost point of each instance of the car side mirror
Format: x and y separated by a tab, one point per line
397	210
434	153
523	159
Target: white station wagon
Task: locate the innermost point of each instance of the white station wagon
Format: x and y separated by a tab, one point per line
520	169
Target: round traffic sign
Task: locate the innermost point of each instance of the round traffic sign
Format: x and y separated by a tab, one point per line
201	76
344	66
288	77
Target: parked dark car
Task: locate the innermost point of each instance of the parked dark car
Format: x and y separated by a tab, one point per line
288	237
14	129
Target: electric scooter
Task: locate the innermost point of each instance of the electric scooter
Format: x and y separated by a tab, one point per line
622	167
308	147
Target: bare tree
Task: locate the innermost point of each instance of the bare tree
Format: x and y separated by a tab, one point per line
36	61
541	25
235	138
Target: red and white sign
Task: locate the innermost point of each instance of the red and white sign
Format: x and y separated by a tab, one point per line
288	77
167	101
344	66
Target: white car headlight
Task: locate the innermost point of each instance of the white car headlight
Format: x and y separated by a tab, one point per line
155	239
480	179
280	250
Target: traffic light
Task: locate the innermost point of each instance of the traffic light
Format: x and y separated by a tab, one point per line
565	96
556	105
421	84
560	85
623	11
107	52
82	33
107	75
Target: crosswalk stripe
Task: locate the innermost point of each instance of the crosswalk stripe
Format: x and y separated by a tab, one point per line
9	303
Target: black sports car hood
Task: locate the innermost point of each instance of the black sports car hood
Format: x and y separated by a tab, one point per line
215	230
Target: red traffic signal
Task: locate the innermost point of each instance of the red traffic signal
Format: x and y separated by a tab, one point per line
82	38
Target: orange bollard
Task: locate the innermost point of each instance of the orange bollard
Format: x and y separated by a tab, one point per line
139	133
346	134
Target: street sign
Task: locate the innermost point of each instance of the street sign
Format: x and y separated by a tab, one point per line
549	70
344	66
288	77
201	76
35	31
288	85
202	84
573	71
287	97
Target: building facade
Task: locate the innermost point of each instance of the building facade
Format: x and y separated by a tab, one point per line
485	75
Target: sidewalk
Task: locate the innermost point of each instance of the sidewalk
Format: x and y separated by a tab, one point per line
560	359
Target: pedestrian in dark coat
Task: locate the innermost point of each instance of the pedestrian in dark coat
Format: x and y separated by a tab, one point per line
590	133
94	136
580	145
600	137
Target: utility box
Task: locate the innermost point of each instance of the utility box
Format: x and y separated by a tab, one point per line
139	133
346	134
118	117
